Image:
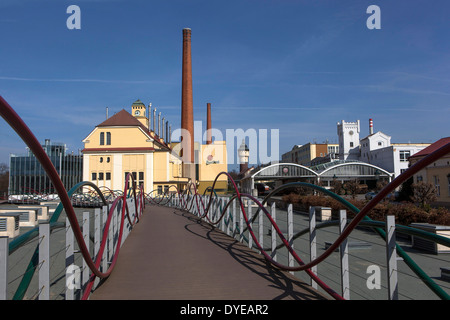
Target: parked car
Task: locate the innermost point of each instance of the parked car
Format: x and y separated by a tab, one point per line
370	195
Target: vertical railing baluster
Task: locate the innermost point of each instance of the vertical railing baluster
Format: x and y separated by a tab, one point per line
105	250
241	223
71	269
343	251
312	242
249	217
85	272
44	261
261	228
4	256
97	238
290	226
391	255
235	222
273	213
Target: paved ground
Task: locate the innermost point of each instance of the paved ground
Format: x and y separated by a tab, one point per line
173	255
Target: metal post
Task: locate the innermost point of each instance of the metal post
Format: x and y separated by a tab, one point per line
234	218
97	237
312	242
273	213
241	224
70	260
154	120
290	225
391	258
228	219
4	255
223	203
44	261
343	250
105	251
249	217
261	228
85	271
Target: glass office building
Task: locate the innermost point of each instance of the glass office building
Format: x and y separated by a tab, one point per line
28	177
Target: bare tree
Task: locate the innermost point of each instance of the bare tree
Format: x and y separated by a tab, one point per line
352	187
423	193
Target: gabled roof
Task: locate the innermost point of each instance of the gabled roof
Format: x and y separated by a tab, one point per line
376	133
122	118
431	148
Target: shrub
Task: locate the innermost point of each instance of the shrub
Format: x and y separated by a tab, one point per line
405	213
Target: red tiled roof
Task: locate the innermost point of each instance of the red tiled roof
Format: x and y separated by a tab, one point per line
431	148
123	118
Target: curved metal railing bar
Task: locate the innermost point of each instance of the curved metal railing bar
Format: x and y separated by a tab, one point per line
28	236
322	284
14	120
360	217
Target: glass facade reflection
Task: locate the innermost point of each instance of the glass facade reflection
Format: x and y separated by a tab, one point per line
28	177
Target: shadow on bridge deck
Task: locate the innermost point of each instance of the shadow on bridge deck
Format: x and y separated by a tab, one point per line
172	255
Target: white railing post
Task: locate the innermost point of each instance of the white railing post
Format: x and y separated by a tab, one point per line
234	218
105	250
312	242
111	235
290	225
343	250
223	203
241	223
249	217
71	279
391	255
4	255
44	261
273	213
261	228
97	238
85	271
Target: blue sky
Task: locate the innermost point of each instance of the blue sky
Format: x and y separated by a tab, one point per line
297	66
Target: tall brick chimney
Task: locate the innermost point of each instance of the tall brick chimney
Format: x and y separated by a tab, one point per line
187	109
208	124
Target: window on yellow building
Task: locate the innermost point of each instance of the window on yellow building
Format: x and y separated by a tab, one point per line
100	176
437	186
102	138
141	178
94	176
108	176
108	138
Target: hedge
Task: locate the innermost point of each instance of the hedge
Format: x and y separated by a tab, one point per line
405	212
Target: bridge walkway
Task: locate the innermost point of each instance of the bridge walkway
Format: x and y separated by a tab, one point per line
173	255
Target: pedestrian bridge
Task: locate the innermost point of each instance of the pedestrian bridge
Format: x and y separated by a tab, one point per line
189	246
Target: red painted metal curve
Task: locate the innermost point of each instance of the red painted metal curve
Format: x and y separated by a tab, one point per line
14	120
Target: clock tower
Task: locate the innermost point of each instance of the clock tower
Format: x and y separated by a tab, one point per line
138	110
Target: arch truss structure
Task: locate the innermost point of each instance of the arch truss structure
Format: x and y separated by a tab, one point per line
285	172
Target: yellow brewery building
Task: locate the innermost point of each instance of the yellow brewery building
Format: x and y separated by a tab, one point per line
129	143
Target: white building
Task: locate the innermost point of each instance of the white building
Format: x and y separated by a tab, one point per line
377	149
348	133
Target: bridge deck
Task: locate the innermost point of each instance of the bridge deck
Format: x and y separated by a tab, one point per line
171	254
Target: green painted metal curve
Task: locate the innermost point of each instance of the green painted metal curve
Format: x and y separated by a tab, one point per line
407	259
26	237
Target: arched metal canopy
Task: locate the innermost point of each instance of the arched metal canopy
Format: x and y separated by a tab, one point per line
343	171
284	170
352	170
